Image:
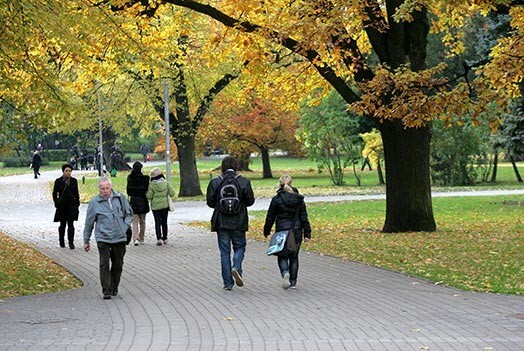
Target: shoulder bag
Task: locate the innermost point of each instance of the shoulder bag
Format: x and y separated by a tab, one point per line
283	241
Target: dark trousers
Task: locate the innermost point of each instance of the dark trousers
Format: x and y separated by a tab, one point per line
70	232
289	263
161	223
111	263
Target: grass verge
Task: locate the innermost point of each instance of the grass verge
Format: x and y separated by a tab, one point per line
479	244
26	271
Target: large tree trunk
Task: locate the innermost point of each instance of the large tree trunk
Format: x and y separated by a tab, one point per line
190	182
243	159
408	190
266	165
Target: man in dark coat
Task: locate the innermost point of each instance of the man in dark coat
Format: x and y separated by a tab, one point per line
67	200
231	228
137	185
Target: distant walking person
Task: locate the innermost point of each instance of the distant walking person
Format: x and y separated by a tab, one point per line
144	150
288	210
36	162
137	186
112	214
67	200
366	163
157	193
230	194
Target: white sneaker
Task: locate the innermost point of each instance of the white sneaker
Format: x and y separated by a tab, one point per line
165	242
159	242
136	243
285	281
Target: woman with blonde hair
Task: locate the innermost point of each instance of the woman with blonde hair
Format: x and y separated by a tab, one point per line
287	210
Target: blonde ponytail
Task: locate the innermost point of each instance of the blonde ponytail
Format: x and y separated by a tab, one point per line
285	182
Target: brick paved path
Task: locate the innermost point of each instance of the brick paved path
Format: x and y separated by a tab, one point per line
171	298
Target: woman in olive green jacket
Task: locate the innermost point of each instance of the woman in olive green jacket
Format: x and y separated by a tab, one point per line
157	194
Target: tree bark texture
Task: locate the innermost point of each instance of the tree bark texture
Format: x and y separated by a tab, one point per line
408	201
515	169
190	182
266	164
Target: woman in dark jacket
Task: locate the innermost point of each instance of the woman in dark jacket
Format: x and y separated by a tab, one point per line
283	208
67	201
137	185
35	163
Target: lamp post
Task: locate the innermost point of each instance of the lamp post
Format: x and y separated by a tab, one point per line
166	119
101	148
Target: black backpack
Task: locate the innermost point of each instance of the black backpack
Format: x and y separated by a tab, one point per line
228	195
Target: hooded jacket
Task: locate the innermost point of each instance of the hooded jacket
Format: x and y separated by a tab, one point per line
158	192
137	186
282	211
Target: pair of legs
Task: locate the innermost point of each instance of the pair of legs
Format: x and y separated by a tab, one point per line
139	220
161	223
289	264
111	263
70	233
226	240
36	172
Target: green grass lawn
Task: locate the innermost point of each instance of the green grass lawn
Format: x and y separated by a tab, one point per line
479	244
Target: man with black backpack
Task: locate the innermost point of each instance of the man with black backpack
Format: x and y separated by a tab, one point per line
230	194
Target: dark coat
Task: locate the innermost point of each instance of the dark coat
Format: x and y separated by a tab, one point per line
137	185
246	196
282	211
36	162
66	199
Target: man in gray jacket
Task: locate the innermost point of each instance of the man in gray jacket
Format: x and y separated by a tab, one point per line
112	214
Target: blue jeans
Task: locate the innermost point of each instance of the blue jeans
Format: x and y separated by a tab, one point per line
238	239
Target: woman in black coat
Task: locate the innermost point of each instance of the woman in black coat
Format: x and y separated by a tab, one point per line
137	186
67	201
283	209
36	162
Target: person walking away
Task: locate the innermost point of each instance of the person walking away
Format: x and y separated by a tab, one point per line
157	194
112	214
144	150
137	186
287	207
67	200
229	195
36	162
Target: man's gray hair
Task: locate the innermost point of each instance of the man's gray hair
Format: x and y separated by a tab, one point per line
104	179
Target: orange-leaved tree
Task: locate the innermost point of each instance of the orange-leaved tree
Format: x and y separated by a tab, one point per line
259	122
394	85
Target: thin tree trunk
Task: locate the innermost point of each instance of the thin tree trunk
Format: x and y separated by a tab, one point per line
408	190
495	164
266	165
514	164
380	174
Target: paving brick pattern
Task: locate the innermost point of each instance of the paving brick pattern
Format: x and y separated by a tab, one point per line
171	298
